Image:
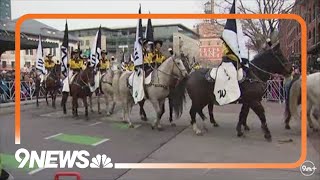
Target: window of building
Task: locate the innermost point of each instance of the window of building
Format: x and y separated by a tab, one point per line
12	64
26	51
54	51
81	43
31	51
87	42
4	64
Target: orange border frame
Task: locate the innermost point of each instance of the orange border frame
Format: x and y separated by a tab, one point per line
180	16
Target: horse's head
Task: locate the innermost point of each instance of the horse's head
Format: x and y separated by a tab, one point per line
88	75
179	68
272	60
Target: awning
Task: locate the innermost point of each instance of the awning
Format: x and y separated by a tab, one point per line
7	42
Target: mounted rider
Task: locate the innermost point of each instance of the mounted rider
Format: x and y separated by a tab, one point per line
159	57
170	50
104	62
76	64
234	62
49	65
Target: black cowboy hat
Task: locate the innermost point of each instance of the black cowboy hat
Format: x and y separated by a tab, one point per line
49	55
158	42
104	52
75	51
144	41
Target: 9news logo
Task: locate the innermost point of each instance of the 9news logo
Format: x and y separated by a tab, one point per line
61	159
308	168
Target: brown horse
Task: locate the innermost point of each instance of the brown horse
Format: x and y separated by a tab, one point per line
262	66
79	88
51	85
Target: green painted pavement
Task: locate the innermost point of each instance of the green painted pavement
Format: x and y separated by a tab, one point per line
9	161
79	139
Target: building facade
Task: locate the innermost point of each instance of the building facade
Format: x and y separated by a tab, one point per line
290	33
117	40
210	41
5	10
31	29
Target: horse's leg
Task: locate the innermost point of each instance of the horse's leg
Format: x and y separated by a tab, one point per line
64	101
143	114
98	101
193	114
74	106
242	117
37	95
113	104
171	112
158	107
210	110
90	102
309	117
259	110
54	99
106	99
46	95
85	103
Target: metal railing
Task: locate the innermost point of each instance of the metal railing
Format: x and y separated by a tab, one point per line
275	91
7	91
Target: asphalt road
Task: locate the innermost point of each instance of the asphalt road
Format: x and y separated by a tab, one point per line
45	128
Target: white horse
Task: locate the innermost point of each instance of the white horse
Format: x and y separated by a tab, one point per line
108	89
313	100
156	92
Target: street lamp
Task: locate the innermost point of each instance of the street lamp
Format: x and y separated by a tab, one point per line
123	46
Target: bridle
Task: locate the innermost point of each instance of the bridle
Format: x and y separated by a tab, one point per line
283	65
86	84
172	75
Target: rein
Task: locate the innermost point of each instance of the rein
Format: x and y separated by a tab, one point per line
170	75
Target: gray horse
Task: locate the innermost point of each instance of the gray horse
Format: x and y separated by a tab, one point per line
156	92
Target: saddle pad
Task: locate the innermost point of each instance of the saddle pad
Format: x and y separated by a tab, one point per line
146	81
226	89
66	87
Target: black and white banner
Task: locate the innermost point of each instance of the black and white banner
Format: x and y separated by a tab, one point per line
138	56
233	35
40	61
64	52
95	54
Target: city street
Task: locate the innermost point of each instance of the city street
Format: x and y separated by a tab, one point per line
45	128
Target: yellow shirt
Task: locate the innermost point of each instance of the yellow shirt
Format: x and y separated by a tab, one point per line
130	67
148	58
77	65
48	64
159	57
227	52
197	66
104	65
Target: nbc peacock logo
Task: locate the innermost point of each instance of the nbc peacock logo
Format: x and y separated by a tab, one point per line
101	161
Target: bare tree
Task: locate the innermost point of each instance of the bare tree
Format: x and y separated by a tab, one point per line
258	30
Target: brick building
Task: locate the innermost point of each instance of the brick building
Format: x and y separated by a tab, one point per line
290	33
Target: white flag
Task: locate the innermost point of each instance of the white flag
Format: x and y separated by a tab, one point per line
96	50
40	61
138	55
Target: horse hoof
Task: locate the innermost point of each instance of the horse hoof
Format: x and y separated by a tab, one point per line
315	129
131	126
92	111
108	114
199	133
152	127
288	127
215	125
173	125
87	118
99	112
240	134
268	137
246	128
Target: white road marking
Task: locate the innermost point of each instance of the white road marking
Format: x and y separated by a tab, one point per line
53	136
95	123
35	171
100	142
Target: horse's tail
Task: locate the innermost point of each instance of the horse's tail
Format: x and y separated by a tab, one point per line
292	99
178	97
